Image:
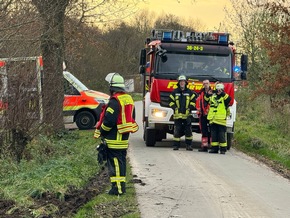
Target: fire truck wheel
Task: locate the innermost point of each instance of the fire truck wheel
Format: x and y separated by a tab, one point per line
230	137
85	120
150	139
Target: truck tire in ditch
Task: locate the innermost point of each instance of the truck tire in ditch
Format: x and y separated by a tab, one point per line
150	139
85	120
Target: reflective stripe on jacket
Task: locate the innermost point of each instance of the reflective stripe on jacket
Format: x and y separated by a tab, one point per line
182	102
118	121
126	123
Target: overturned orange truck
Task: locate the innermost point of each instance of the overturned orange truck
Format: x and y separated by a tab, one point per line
198	56
81	105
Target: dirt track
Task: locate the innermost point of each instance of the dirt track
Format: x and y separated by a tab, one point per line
193	184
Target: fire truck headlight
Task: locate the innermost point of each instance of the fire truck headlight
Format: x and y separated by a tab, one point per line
158	113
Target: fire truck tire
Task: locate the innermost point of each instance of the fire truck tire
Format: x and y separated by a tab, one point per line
230	138
85	120
150	139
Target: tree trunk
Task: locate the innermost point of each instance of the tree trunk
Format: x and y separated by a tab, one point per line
52	49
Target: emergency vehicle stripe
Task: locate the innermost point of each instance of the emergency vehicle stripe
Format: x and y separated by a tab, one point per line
73	108
110	110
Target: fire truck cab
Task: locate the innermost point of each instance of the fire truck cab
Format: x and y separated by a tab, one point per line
198	56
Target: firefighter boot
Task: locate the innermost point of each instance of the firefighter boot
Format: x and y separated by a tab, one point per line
188	142
189	147
123	187
114	190
204	144
223	150
176	146
203	149
214	150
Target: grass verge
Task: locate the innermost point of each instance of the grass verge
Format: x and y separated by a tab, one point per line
265	143
57	177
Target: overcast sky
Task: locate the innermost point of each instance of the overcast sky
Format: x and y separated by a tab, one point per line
209	12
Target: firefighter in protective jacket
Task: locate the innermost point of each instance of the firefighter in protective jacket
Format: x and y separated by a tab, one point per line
182	101
202	107
217	116
115	125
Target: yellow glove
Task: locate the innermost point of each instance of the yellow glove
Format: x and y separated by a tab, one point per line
97	133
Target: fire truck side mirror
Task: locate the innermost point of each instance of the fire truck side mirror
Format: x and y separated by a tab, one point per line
244	66
244	63
142	63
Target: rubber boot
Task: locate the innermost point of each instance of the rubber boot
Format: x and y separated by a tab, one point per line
223	150
114	189
203	149
189	147
176	146
214	150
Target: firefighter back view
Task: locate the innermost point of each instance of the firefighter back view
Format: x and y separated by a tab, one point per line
182	101
116	124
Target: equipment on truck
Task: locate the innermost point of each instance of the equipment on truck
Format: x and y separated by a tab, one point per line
81	105
196	55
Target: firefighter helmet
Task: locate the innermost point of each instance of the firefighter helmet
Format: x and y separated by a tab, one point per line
115	80
219	86
182	77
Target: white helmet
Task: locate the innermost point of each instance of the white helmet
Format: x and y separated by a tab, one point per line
115	80
182	77
219	86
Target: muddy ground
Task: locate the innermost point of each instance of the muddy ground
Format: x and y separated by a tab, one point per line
67	207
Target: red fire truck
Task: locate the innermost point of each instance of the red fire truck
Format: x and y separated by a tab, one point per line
198	56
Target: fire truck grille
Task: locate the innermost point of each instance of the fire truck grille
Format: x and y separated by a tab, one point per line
164	99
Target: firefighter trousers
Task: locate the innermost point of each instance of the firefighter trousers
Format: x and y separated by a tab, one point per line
218	135
182	127
117	170
204	128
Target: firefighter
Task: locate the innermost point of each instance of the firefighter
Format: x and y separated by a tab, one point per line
182	101
217	116
202	107
115	125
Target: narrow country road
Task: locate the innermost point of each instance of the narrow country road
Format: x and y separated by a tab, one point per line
192	184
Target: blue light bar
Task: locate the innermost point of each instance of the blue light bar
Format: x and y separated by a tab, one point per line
223	39
237	69
167	36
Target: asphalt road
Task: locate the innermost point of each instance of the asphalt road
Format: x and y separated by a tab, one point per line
192	184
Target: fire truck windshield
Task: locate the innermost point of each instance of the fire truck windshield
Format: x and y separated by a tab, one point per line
196	65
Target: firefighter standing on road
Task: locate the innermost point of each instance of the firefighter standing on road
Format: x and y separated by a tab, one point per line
182	101
202	107
217	116
115	126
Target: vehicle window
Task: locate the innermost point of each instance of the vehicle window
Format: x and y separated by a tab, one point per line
69	89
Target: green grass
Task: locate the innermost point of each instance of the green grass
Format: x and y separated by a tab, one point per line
56	165
50	165
105	205
262	140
